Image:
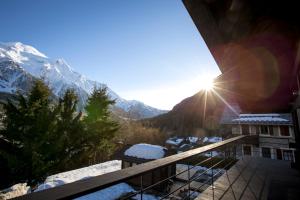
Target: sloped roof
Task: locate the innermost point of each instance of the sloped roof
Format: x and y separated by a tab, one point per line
146	151
174	141
268	118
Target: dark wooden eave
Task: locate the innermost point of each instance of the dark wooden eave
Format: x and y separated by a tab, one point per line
256	46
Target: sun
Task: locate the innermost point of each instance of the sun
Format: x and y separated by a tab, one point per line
207	83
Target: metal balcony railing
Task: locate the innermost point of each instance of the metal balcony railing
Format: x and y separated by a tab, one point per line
192	158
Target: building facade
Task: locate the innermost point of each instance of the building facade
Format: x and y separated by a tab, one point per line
275	133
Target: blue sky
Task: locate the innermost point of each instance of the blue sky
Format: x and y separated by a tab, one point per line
148	50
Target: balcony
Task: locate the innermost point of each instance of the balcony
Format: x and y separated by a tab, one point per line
228	175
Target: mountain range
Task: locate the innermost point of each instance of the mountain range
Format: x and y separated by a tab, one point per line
21	64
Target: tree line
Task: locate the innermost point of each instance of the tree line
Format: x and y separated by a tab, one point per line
41	136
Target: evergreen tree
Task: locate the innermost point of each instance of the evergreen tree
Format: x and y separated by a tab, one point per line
99	126
26	132
41	136
69	135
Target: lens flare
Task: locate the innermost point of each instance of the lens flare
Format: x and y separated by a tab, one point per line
207	83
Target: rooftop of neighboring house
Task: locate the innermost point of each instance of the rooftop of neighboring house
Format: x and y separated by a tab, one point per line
185	147
174	141
146	151
265	119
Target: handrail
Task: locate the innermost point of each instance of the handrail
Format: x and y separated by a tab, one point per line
93	184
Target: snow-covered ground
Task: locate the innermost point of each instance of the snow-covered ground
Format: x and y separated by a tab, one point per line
214	154
79	174
14	191
201	177
110	193
146	151
115	192
183	167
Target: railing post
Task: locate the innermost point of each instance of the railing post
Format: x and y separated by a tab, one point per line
212	175
189	179
235	151
142	187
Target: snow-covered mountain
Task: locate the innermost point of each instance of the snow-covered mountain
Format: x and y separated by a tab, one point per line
20	64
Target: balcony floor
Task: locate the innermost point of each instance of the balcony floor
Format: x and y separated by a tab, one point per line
256	178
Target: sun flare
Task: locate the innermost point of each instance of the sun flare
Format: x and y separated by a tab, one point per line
207	83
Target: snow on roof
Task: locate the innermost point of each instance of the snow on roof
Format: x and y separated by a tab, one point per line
146	151
212	139
186	146
264	118
193	139
260	115
79	174
261	119
174	141
268	118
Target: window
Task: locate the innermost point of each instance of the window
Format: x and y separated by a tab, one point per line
271	130
266	152
287	155
236	130
245	129
284	131
264	130
256	129
279	154
247	150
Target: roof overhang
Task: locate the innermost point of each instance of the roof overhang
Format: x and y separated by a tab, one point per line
256	46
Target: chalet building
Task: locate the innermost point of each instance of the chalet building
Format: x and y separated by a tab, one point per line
174	142
275	134
142	153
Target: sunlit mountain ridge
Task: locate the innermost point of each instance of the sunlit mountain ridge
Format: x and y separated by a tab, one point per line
20	64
